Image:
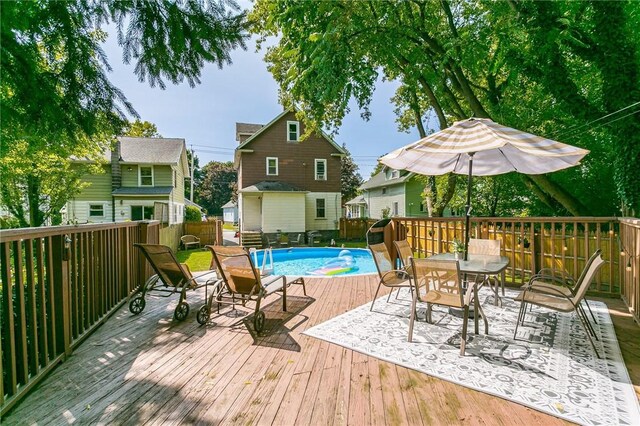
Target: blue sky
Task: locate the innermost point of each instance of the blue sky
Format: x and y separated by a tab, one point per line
244	92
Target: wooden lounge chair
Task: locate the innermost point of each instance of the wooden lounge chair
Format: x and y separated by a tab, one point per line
389	276
558	299
190	241
171	277
441	280
243	283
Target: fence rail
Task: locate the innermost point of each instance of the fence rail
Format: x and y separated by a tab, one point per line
354	229
210	232
529	243
629	252
57	285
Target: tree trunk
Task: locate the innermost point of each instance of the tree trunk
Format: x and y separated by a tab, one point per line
568	201
33	200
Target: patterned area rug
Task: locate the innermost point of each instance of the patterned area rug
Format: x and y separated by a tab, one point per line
550	367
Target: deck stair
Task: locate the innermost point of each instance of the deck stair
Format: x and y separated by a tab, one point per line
251	239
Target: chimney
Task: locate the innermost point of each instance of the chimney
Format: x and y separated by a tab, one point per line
116	170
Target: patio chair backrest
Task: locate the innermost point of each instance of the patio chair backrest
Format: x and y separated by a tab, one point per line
405	251
381	258
483	246
588	263
587	276
440	275
165	264
237	270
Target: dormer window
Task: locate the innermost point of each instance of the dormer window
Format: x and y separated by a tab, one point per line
395	174
293	131
321	169
145	176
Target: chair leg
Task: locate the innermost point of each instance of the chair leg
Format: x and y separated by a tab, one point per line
465	322
375	296
582	322
284	294
586	302
412	318
520	314
592	331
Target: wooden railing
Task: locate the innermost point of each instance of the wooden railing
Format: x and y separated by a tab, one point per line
629	251
58	284
529	243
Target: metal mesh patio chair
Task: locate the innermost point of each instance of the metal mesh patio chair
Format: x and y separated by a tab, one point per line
558	299
487	247
389	276
171	277
443	286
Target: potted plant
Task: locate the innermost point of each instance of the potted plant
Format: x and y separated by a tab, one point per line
458	247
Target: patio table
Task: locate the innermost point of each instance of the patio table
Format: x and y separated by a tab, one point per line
479	264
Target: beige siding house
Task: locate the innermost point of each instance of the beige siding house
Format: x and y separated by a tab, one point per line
286	184
143	179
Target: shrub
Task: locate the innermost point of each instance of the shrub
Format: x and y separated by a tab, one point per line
192	214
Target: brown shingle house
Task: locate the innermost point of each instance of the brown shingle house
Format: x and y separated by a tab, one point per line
284	183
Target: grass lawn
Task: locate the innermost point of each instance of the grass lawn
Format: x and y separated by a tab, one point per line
197	259
229	226
351	244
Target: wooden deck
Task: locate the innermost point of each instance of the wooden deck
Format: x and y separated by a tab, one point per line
150	370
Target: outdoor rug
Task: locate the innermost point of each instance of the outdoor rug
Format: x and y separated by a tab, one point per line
551	366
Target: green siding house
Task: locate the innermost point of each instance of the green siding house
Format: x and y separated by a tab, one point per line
396	190
143	179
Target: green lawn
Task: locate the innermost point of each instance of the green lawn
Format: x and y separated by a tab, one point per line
229	226
197	259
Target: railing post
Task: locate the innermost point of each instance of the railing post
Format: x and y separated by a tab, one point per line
61	253
142	265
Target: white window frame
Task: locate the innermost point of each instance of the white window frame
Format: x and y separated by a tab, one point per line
315	168
297	124
324	208
395	174
140	175
96	205
267	164
395	208
143	210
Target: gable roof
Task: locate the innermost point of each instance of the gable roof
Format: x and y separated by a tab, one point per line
151	150
229	205
272	122
359	199
247	129
380	180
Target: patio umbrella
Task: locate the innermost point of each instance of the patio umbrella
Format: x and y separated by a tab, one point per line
482	147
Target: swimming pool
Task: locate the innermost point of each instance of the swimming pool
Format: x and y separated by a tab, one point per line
321	262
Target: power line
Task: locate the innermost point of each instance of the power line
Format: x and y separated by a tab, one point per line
574	128
603	124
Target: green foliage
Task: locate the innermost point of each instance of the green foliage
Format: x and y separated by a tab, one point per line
218	186
543	67
56	100
192	214
141	129
386	212
197	175
350	179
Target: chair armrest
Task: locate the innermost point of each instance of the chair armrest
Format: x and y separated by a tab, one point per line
395	273
560	277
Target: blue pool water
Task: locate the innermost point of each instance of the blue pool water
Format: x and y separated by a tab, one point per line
323	261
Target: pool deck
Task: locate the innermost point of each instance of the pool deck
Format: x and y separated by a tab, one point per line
148	369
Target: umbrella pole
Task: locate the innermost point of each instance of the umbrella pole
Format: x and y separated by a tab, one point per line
467	221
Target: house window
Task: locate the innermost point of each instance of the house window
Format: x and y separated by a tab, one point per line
423	207
141	212
321	169
272	166
384	191
320	208
175	179
395	174
293	131
145	176
96	210
395	208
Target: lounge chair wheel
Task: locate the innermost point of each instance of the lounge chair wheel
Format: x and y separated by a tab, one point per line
137	305
203	315
181	312
258	321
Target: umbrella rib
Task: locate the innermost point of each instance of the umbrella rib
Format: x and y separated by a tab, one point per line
508	161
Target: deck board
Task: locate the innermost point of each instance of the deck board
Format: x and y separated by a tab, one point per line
150	370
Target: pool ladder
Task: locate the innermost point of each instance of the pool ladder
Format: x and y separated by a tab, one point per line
266	268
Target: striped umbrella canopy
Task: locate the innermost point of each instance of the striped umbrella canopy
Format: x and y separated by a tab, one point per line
482	147
494	148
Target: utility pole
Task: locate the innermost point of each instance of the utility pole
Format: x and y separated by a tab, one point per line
191	192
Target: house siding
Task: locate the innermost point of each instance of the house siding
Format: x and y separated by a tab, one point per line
414	189
378	201
333	210
99	187
295	159
77	211
283	211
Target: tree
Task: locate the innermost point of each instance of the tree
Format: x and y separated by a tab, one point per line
537	66
197	176
141	129
55	97
350	179
217	187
